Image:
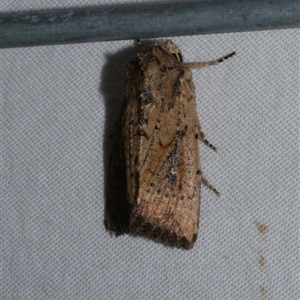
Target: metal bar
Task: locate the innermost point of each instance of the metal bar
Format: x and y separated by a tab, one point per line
145	21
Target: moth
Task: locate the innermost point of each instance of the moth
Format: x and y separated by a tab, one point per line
155	173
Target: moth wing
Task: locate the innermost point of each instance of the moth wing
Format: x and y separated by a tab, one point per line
123	171
167	201
117	207
130	130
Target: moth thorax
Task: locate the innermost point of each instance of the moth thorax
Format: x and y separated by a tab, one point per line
172	48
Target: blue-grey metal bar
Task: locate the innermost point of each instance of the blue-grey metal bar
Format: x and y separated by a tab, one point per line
145	21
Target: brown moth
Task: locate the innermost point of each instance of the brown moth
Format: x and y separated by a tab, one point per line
155	173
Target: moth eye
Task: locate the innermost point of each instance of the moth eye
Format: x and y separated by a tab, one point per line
178	56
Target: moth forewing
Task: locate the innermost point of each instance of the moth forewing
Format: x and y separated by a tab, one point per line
117	207
160	132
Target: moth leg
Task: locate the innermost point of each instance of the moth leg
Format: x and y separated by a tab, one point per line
200	65
140	45
205	140
208	184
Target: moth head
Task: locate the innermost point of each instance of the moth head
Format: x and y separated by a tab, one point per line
172	48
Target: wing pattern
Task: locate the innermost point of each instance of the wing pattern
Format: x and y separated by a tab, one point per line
160	138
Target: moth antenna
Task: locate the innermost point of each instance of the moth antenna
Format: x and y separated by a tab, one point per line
226	57
204	64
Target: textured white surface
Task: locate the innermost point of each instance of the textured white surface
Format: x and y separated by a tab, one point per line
58	107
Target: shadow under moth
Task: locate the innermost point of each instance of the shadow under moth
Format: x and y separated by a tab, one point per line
155	173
